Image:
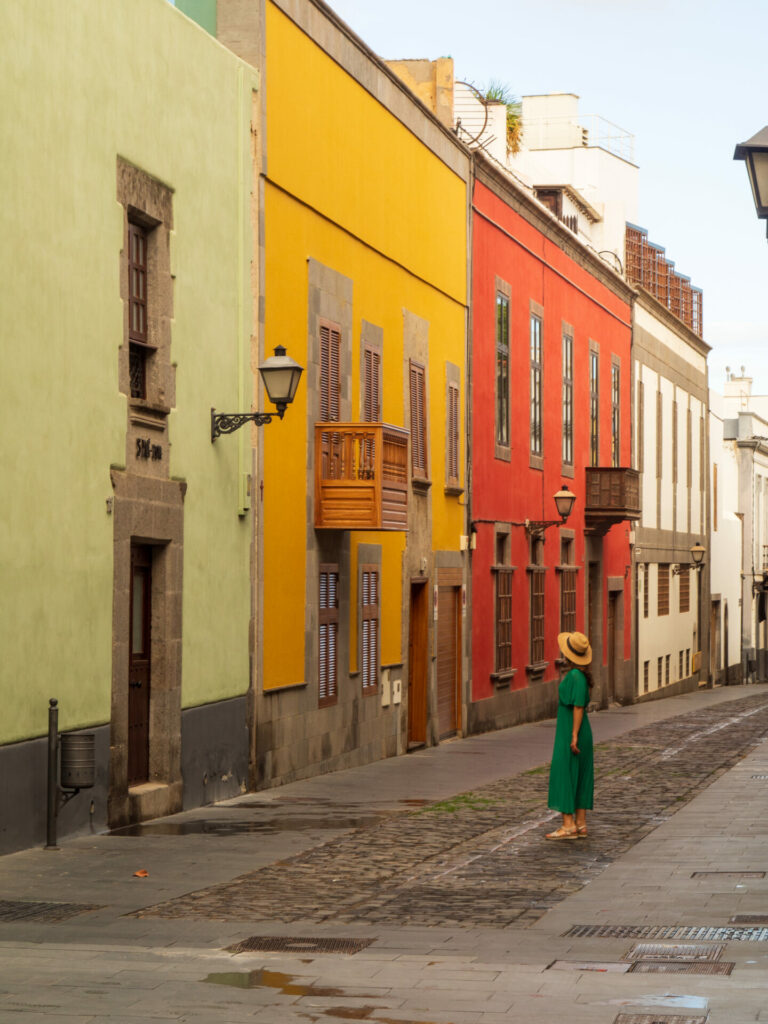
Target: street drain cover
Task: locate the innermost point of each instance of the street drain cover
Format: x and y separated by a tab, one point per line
601	967
682	952
654	1018
749	919
27	910
673	931
728	874
672	967
294	944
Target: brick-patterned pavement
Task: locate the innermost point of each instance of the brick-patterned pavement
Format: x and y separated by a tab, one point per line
480	860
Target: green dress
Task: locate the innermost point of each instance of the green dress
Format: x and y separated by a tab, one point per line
572	776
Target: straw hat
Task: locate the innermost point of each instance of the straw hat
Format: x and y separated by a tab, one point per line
575	647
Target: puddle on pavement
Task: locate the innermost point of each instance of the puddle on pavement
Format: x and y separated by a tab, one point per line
284	983
233	827
288	986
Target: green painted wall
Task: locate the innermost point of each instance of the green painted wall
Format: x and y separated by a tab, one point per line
87	81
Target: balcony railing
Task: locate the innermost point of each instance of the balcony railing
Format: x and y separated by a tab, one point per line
361	476
613	495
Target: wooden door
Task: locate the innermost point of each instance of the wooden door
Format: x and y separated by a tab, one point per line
418	661
139	646
714	641
448	659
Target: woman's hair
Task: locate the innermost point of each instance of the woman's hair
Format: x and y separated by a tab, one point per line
587	674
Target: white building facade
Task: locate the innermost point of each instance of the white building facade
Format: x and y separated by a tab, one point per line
671	431
745	436
726	531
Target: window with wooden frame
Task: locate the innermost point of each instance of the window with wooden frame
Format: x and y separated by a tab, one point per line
680	667
659	438
371	385
369	627
328	635
330	371
645	676
502	369
594	407
567	586
662	597
640	426
615	414
685	590
503	574
536	385
666	669
659	672
140	349
538	578
688	661
567	399
646	587
418	393
452	439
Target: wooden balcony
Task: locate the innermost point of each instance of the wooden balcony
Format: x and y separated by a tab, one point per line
361	476
613	496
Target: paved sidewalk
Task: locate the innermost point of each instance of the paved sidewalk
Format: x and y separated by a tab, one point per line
111	965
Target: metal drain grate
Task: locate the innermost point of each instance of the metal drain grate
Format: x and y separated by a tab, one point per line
728	874
760	777
655	1018
297	944
28	910
684	953
656	931
601	967
748	919
670	967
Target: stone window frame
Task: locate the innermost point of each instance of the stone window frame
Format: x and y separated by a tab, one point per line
566	455
148	205
594	403
503	576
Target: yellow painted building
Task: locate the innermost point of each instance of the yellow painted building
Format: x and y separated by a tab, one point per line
359	574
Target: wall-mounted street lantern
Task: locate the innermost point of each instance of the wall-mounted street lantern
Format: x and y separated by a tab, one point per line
697	560
280	375
754	153
564	500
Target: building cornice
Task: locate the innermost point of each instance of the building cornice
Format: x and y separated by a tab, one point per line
649	301
495	178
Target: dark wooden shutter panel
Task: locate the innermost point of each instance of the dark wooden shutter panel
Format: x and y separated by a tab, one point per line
372	386
418	421
330	379
453	434
370	627
328	626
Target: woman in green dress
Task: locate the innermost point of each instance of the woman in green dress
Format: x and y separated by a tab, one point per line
571	776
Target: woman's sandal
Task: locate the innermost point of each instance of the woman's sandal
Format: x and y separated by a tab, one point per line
563	833
581	831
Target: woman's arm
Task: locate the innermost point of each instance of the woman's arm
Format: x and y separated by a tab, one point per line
578	716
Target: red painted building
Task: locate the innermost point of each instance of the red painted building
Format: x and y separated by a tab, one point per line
550	406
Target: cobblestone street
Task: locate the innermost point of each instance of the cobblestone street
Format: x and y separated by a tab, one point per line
478	859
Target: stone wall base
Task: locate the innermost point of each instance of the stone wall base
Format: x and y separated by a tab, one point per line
24	788
214	751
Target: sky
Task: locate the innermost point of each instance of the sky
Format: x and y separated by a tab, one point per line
688	79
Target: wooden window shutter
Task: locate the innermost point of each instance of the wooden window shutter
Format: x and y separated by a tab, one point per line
685	590
663	589
503	658
418	421
330	372
328	632
453	434
369	640
371	386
